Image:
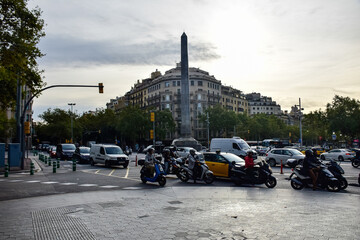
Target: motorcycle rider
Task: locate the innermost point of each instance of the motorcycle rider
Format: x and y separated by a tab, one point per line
193	159
249	162
149	162
312	165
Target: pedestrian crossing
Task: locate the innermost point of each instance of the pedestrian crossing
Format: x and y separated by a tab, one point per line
59	183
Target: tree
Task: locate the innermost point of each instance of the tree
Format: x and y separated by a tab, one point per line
164	124
344	115
7	126
20	32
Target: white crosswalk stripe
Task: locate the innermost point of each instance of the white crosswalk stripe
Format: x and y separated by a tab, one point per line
108	186
49	182
88	185
68	183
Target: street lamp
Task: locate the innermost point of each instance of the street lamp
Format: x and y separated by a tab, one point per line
71	117
300	116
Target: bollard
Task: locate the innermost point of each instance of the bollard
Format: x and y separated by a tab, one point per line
49	160
58	163
74	164
281	167
45	159
6	170
136	161
32	167
54	167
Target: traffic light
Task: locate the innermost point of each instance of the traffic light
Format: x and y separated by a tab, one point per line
151	134
27	127
101	88
152	116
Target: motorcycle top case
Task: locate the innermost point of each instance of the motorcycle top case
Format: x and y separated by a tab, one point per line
141	162
292	162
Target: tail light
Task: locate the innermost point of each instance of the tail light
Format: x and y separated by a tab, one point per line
348	154
267	154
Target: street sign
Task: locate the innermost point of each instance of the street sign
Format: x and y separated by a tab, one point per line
27	127
333	137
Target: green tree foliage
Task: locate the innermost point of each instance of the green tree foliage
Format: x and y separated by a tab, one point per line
315	126
164	124
20	32
7	126
343	115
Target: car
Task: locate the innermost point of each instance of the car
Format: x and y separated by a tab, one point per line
261	151
65	150
82	154
221	163
234	145
278	155
108	154
338	154
52	152
44	147
183	152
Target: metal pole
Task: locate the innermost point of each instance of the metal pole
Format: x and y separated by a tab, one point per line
154	130
300	126
208	131
71	117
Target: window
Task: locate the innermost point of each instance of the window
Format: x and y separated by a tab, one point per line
174	83
192	82
178	83
102	151
199	96
276	152
235	146
167	84
200	83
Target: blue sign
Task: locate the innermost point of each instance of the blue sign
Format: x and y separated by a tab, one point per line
333	137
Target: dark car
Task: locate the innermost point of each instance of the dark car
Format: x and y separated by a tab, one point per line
65	150
82	154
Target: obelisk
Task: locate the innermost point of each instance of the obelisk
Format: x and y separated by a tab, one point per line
185	92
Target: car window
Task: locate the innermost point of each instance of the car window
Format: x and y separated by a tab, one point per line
68	147
287	152
102	151
210	157
276	152
236	146
221	159
84	150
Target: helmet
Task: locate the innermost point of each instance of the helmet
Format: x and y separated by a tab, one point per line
192	151
166	151
308	153
151	150
248	152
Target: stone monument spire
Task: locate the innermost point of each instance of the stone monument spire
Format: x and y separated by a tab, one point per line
185	92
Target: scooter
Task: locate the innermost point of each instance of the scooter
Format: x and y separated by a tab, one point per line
338	172
159	174
204	174
259	175
299	178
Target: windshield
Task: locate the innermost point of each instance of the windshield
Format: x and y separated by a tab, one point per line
244	145
68	147
296	152
84	150
232	157
113	150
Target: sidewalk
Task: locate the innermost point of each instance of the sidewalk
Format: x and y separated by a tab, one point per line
183	213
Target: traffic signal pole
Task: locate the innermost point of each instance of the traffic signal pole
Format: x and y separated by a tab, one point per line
22	117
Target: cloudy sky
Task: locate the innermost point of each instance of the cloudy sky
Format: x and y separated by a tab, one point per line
285	49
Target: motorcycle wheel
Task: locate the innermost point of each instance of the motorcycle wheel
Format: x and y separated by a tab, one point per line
162	181
296	186
183	175
209	178
355	164
270	182
333	186
343	183
142	176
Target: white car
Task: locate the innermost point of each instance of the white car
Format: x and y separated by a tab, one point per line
338	154
183	152
274	156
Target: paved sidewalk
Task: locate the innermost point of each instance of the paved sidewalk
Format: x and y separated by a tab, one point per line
183	213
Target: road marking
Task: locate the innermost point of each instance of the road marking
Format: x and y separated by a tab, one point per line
68	183
16	180
127	172
108	186
112	172
88	185
132	188
33	181
49	182
97	171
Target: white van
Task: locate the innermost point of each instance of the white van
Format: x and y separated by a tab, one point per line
233	145
108	154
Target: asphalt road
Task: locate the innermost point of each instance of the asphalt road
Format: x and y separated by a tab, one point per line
100	178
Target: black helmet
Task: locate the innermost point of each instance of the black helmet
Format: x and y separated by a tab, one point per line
308	153
151	150
248	152
192	151
166	151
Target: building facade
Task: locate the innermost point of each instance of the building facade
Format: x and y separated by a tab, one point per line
261	104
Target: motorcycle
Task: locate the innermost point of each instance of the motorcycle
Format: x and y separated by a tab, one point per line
174	166
159	174
355	162
338	172
204	174
259	175
300	178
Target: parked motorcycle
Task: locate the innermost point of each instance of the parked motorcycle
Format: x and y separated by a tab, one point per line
204	173
258	175
300	178
159	174
338	172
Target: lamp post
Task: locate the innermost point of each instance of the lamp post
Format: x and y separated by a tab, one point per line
71	117
300	116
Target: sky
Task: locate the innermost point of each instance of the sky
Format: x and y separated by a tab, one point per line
284	49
